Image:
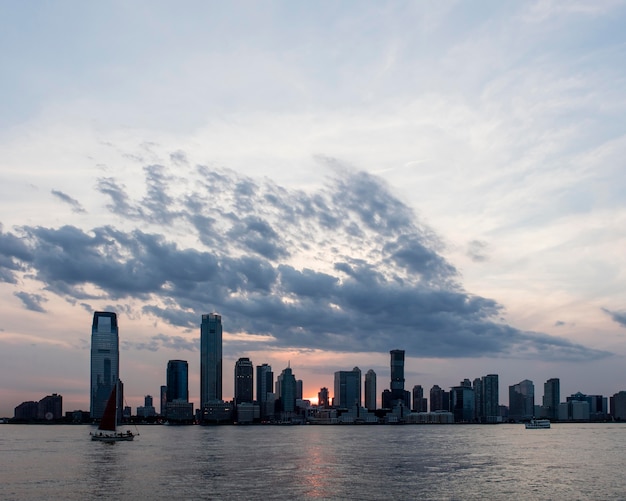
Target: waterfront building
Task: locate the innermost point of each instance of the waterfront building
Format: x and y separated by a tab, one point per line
163	395
370	390
177	381
286	390
618	406
26	411
347	388
522	401
551	398
244	381
210	359
50	408
299	389
486	397
462	403
323	399
439	399
147	410
420	404
397	392
264	387
105	361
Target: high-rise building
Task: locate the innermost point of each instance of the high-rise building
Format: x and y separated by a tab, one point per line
105	361
177	381
322	398
50	407
370	390
490	401
462	402
347	388
522	401
551	398
264	387
420	404
163	399
286	390
210	359
244	381
397	393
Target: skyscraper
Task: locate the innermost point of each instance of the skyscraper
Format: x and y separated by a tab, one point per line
397	393
105	360
420	404
348	388
264	387
244	381
177	381
286	385
522	400
551	398
490	399
210	359
370	390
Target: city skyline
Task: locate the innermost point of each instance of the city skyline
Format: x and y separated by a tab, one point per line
335	180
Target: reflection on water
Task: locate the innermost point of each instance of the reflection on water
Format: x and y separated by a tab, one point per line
573	461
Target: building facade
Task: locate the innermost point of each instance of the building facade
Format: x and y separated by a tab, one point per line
264	388
551	398
522	401
177	381
244	381
420	404
105	361
370	390
347	388
210	359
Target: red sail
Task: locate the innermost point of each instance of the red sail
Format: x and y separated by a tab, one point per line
109	417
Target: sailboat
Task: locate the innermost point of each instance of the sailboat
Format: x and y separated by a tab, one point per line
108	425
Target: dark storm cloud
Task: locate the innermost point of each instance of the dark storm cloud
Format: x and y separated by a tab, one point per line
348	268
75	204
617	316
32	302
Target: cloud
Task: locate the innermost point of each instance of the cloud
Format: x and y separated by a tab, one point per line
75	204
32	302
476	251
617	316
177	343
346	268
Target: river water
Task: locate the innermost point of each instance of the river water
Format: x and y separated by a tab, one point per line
459	462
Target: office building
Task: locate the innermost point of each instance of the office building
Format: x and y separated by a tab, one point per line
177	381
490	399
163	395
462	402
551	398
347	388
618	406
370	390
522	401
420	404
50	408
323	398
244	381
264	388
286	390
397	394
105	361
439	399
210	359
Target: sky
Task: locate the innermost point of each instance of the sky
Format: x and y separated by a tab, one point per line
336	179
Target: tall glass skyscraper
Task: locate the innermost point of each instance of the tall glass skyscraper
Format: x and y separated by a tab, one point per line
370	390
348	388
105	360
177	381
244	380
210	359
264	386
552	398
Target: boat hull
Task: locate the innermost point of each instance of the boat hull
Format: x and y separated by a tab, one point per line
538	424
116	437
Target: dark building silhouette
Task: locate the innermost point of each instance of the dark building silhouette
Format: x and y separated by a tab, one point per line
551	398
210	359
244	381
264	388
420	404
105	361
177	381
